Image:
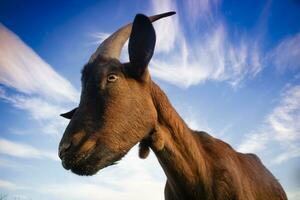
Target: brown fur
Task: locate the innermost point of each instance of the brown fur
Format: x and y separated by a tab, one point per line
113	116
206	167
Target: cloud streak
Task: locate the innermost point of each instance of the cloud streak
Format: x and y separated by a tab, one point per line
147	191
41	110
282	127
201	9
286	55
212	57
22	69
40	90
7	185
21	150
38	108
111	184
293	195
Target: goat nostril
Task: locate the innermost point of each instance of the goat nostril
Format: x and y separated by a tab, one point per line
63	149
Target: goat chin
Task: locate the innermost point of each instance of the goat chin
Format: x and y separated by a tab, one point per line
94	164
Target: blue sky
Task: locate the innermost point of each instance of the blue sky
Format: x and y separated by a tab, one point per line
230	68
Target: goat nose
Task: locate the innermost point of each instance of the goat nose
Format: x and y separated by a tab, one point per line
63	148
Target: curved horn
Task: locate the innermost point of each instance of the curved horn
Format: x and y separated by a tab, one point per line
112	46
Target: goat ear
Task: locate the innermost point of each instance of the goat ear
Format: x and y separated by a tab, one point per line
69	114
141	45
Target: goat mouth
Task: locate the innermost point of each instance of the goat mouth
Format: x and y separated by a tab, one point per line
91	163
72	159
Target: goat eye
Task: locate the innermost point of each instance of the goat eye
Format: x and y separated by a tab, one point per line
112	77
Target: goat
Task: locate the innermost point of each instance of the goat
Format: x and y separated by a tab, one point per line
121	106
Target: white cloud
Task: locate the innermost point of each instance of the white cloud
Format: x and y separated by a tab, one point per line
6	163
167	28
121	181
201	9
20	197
38	108
286	55
21	150
198	8
293	151
42	92
194	121
7	185
13	165
282	127
293	195
75	191
211	56
45	112
116	182
21	68
254	142
146	190
285	119
146	176
100	37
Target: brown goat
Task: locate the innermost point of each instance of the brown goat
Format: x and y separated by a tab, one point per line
121	106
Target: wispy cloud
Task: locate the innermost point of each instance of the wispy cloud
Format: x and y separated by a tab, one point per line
40	90
41	110
201	9
285	119
21	150
21	68
7	185
281	126
194	121
13	165
293	195
20	197
286	55
71	190
168	28
113	183
255	142
293	151
38	108
146	176
213	55
99	37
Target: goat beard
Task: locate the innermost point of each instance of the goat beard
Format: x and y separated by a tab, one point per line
156	140
144	149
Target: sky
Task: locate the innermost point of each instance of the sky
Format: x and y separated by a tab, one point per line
231	68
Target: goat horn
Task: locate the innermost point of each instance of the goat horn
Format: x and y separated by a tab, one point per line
112	46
